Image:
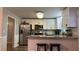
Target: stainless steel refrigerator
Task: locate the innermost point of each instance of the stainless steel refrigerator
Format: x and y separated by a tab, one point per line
24	32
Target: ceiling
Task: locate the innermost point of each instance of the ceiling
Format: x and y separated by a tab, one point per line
30	12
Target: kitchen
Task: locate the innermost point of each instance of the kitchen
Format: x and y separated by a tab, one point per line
57	32
39	29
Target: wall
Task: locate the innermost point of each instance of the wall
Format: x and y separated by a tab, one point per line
1	18
7	13
78	29
47	23
78	33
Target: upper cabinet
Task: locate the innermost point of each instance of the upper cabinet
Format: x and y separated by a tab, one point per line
70	17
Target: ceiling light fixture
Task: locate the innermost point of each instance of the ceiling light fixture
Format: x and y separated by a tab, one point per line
40	14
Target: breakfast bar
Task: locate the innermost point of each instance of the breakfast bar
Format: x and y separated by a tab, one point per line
66	43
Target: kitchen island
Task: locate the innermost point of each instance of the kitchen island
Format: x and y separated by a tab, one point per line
67	43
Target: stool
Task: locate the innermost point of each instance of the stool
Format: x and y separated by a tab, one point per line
41	45
54	45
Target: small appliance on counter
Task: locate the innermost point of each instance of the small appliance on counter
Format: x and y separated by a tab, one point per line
69	32
57	31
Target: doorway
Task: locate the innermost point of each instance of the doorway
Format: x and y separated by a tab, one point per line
10	34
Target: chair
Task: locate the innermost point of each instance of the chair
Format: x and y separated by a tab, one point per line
41	46
54	45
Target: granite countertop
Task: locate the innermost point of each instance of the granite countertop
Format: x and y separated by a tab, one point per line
55	37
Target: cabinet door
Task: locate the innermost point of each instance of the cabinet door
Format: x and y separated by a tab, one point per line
65	18
72	22
51	24
70	17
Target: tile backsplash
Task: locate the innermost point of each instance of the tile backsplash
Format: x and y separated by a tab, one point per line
75	32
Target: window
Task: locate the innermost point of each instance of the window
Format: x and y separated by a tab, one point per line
59	23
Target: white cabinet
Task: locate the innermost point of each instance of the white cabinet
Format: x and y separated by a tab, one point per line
49	23
70	17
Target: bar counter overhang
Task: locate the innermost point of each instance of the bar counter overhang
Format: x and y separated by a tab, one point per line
67	43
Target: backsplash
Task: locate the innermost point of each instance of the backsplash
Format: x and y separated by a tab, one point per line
75	32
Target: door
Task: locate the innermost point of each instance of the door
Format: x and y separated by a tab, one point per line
10	34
